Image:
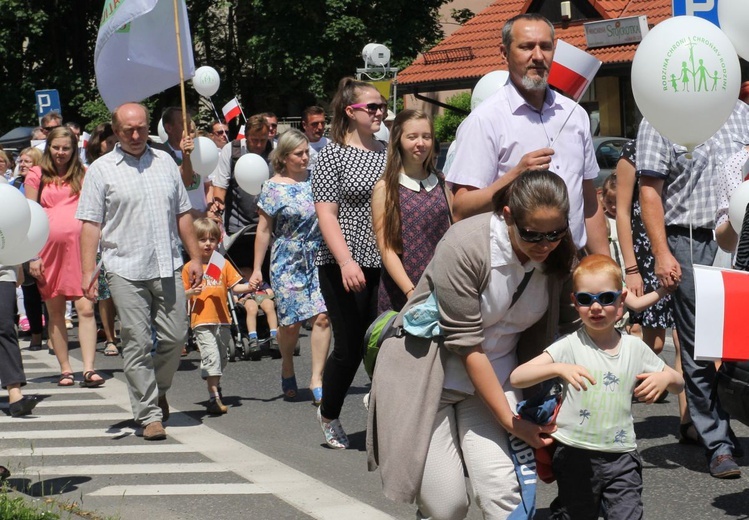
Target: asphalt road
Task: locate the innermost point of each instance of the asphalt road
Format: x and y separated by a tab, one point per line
266	458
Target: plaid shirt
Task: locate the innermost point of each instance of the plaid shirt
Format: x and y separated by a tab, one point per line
689	195
136	201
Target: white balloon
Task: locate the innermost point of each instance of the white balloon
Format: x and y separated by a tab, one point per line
29	246
16	216
250	172
737	206
685	79
488	85
3	180
206	81
204	157
161	131
733	16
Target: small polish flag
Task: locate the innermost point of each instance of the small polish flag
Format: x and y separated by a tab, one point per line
83	141
215	266
720	315
572	70
240	134
231	109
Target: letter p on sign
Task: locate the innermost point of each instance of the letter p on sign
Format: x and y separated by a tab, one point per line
707	9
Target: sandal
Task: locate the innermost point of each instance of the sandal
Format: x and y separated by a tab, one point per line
288	387
111	349
89	382
688	434
66	379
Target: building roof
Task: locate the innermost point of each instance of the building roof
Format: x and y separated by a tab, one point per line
473	50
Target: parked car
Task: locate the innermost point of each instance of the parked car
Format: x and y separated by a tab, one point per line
608	150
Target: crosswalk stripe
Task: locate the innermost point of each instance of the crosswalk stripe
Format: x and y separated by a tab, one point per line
180	489
149	449
70	403
126	469
83	433
41	370
83	418
58	390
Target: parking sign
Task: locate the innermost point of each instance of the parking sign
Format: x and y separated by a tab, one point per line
707	9
47	101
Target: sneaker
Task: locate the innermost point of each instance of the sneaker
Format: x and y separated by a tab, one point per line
216	407
365	400
275	352
335	437
23	324
154	431
253	350
723	466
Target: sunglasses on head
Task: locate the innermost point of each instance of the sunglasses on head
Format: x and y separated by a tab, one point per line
372	108
586	299
536	236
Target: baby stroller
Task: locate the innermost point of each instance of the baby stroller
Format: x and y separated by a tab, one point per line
239	346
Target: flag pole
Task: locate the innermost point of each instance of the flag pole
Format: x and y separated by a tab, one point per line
215	112
181	72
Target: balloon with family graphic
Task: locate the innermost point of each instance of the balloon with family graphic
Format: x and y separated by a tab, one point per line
685	79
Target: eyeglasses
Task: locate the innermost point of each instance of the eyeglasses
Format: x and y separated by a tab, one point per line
586	299
316	123
536	236
371	108
220	132
273	125
49	128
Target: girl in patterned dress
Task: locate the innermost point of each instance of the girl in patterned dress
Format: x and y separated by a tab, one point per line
410	210
349	262
287	211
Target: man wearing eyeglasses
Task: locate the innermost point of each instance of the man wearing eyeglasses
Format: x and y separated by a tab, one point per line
272	120
219	134
313	126
50	121
512	131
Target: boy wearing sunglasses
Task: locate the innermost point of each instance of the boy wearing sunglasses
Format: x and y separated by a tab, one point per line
596	461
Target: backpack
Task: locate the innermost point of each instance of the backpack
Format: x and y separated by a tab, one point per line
732	387
380	330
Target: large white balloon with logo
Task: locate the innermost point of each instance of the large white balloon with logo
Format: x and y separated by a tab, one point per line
685	79
250	172
733	16
206	81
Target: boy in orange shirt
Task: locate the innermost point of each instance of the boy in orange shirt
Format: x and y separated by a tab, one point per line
209	315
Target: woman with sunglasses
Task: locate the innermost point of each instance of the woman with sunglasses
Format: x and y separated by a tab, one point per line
56	184
410	209
494	276
348	260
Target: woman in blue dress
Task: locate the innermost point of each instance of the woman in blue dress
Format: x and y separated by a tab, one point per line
287	212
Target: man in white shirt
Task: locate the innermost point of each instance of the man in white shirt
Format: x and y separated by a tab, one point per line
134	199
313	126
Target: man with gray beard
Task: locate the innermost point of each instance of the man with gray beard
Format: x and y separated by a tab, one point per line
527	126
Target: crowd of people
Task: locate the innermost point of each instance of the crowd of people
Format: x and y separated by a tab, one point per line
500	269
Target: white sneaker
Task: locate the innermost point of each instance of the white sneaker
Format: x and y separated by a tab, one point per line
335	437
365	400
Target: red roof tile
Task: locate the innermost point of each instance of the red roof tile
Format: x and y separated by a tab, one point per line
478	42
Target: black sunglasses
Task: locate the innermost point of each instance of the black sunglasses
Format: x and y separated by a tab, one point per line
586	299
536	236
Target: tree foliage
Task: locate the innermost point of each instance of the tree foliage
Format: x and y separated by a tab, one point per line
279	55
446	125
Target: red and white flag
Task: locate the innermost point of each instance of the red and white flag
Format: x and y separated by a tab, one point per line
215	266
240	134
720	322
572	70
231	110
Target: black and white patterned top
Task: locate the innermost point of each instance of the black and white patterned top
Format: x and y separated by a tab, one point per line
346	175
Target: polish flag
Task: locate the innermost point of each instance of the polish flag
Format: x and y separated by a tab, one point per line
572	70
240	134
215	266
720	321
83	140
231	109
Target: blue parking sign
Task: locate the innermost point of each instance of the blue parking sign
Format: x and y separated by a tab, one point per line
707	9
47	101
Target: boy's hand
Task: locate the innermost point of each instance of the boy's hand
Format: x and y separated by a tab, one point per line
652	385
536	435
194	291
575	375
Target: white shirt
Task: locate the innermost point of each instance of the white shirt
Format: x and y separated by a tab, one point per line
502	323
498	132
136	201
314	149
